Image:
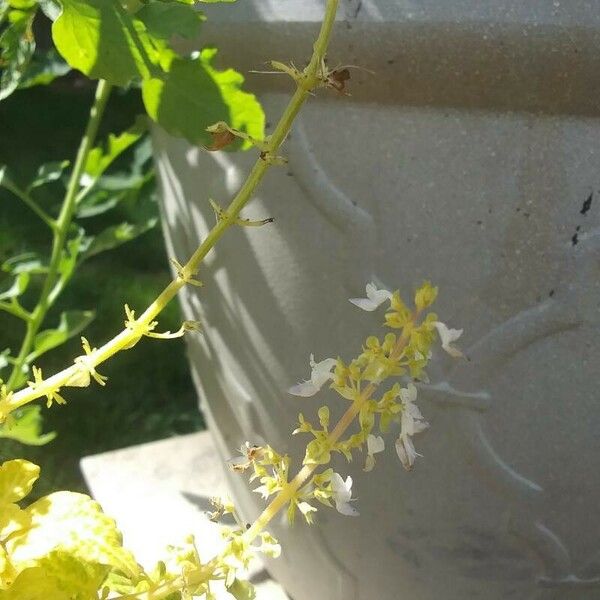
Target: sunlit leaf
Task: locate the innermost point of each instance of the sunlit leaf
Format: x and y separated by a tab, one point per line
100	39
100	157
17	287
165	19
26	427
16	480
71	323
242	590
74	524
194	95
57	576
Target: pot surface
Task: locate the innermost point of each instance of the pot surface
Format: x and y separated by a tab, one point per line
468	159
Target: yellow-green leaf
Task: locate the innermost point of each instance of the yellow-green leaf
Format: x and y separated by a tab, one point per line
16	480
75	524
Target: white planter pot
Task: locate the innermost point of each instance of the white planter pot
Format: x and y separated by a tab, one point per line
466	159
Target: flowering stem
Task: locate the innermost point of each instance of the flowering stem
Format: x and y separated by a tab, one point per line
125	338
341	426
60	228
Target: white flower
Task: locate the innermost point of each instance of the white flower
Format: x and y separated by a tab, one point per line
374	298
342	495
447	336
321	373
375	444
412	423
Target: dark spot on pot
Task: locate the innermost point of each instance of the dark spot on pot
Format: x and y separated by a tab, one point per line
578	228
390	62
587	204
575	239
480	222
527	215
551	293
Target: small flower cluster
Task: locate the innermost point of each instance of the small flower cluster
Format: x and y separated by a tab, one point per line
403	353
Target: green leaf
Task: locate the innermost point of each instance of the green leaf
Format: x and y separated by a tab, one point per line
43	69
47	173
71	323
27	262
26	427
17	46
114	236
100	157
17	287
164	20
194	95
100	39
98	202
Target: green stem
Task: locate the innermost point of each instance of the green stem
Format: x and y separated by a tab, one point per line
61	230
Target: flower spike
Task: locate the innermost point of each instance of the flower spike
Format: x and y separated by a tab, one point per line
374	299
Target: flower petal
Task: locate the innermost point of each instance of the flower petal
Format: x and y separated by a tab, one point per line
304	389
447	336
374	298
375	444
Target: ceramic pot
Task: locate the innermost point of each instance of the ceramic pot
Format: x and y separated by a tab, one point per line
472	158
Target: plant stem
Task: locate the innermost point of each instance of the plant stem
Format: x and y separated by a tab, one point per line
61	230
125	338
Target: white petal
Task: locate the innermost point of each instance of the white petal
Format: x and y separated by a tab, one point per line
346	509
341	489
306	508
304	389
447	336
406	451
321	371
374	298
408	394
369	463
375	444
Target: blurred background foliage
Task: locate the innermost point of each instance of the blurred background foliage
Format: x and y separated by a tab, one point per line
149	395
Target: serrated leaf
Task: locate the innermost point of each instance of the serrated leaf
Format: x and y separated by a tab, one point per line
17	287
163	20
17	46
100	157
16	480
114	236
26	427
194	95
71	323
100	39
71	523
47	173
43	69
